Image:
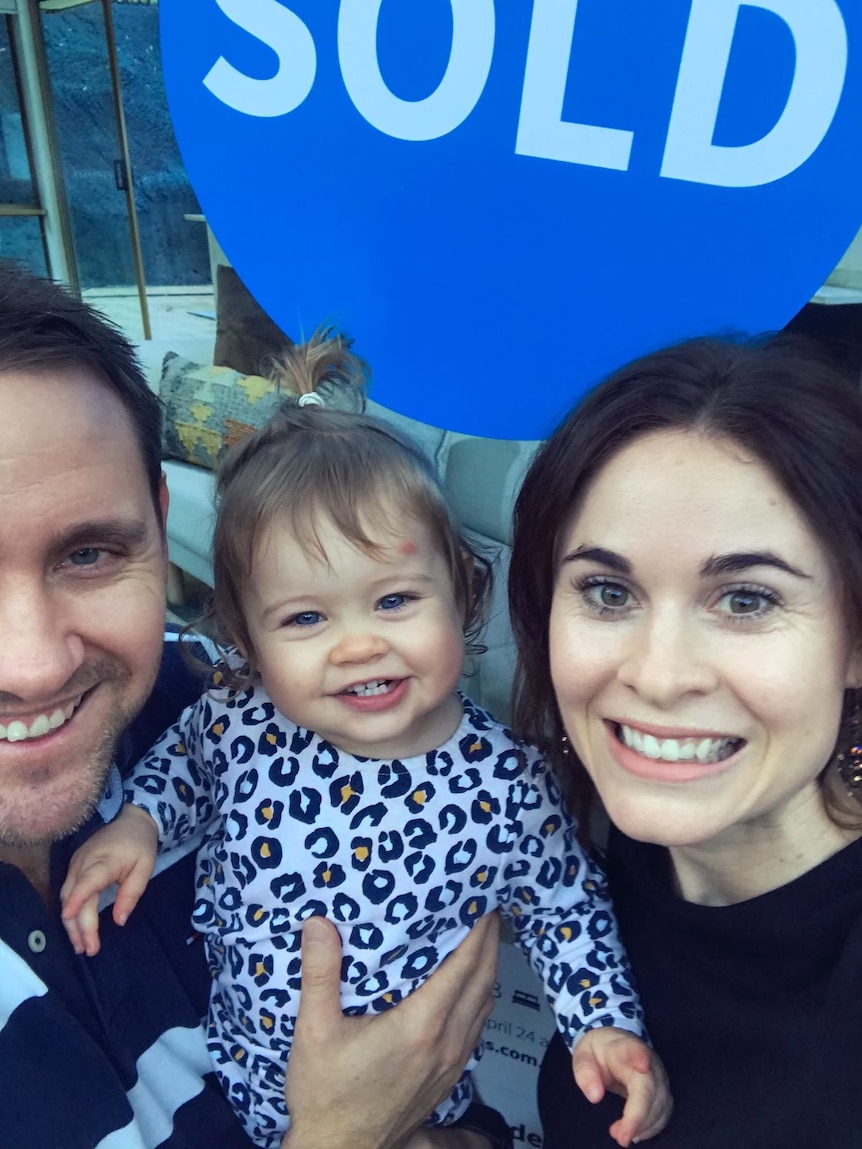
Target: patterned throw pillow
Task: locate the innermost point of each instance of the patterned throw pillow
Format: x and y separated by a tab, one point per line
208	409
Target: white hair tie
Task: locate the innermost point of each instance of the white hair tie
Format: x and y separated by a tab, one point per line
310	399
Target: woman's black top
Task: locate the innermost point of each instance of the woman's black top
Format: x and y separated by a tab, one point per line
756	1010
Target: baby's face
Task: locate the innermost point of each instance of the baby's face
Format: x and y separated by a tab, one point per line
364	650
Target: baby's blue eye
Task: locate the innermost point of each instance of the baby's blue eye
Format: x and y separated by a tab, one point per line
305	618
392	601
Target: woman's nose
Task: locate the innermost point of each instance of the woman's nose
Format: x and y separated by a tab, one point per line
667	660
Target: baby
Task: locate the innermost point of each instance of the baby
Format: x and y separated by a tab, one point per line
335	769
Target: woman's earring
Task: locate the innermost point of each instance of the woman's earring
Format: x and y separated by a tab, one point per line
565	745
849	761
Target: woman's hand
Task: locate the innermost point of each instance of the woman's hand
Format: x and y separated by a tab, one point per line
615	1060
372	1080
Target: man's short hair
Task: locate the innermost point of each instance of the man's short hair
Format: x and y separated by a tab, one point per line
43	327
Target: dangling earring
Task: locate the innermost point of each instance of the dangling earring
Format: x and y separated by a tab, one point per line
565	745
849	761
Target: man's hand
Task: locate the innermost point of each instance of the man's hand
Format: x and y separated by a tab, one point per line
124	852
372	1080
615	1060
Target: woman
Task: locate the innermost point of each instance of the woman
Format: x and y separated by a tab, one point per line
686	590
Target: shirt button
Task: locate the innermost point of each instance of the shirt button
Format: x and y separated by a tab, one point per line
36	941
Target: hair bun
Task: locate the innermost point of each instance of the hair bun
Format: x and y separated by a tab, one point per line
323	372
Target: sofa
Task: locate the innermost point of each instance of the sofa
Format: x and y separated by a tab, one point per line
481	478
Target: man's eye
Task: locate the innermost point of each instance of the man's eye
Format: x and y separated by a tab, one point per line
85	557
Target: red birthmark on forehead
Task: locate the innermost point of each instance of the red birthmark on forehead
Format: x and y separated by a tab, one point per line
407	548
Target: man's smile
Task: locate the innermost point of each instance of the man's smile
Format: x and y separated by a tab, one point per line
21	729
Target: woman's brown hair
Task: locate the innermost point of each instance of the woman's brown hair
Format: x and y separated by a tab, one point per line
776	398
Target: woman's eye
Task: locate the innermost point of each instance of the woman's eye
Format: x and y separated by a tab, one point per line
740	603
608	596
392	601
747	602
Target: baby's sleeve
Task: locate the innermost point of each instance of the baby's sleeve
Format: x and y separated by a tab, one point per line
175	781
555	894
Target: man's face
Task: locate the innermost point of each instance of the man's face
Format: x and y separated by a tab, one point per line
82	569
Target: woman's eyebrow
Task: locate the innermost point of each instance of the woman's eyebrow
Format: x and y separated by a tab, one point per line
599	555
736	563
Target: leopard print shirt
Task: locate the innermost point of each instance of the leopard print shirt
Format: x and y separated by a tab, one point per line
403	856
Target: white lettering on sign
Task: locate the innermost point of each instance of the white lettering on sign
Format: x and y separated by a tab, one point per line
817	27
541	129
820	38
284	32
473	29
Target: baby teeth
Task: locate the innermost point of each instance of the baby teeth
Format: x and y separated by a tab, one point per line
366	688
18	731
704	750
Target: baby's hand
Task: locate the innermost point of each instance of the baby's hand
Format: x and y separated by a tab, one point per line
615	1060
124	852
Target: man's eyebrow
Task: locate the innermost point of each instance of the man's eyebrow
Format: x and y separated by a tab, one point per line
744	560
599	555
129	533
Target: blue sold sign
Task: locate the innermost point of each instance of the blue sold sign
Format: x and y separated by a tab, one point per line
504	201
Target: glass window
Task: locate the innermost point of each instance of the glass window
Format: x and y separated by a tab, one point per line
21	239
16	182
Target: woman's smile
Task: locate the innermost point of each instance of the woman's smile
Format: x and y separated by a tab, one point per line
691	746
683	758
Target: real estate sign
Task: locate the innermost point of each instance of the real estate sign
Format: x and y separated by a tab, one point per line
504	201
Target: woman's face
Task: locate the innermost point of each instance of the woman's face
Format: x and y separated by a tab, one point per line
698	647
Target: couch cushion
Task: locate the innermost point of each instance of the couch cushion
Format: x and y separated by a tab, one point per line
430	439
151	354
191	516
483	477
208	409
487	677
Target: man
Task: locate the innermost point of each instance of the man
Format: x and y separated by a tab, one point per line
109	1051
